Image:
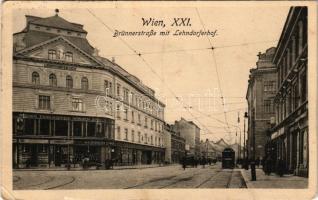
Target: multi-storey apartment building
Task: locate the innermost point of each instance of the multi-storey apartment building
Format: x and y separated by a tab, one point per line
175	148
290	134
70	103
191	133
260	97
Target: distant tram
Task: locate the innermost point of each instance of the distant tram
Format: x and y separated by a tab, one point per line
228	158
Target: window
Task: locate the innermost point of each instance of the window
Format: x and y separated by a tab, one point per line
118	89
269	86
151	139
126	134
159	141
118	132
91	129
35	78
69	56
52	80
84	83
69	81
146	122
139	119
300	37
139	137
108	87
77	128
44	127
52	54
126	114
126	92
77	104
61	128
118	111
146	138
132	117
44	102
151	125
132	135
296	97
303	80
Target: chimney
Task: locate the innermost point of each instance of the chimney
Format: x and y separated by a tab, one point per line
113	59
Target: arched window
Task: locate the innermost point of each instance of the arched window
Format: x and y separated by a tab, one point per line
84	83
35	78
52	80
69	56
300	37
52	54
69	81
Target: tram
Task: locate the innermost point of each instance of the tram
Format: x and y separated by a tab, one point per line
228	158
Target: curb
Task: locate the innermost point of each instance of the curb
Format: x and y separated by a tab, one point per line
246	180
80	169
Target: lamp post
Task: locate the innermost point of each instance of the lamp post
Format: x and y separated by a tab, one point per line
253	171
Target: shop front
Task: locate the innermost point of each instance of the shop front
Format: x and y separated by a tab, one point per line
135	154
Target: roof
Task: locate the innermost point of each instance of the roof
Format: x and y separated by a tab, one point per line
56	22
36	37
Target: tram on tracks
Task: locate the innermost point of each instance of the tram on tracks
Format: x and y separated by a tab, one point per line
228	158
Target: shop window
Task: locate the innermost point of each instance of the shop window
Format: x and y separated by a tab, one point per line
44	102
77	104
52	80
35	78
42	148
69	82
91	129
77	128
84	83
44	127
61	128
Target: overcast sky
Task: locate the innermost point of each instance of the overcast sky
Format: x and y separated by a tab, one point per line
187	73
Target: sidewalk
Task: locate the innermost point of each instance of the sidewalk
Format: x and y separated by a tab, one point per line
273	181
92	168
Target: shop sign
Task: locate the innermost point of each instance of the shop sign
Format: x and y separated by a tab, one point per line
87	142
61	141
33	141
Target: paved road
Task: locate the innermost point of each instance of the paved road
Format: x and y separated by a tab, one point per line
150	178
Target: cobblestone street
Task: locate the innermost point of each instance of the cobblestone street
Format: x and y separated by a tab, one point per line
151	178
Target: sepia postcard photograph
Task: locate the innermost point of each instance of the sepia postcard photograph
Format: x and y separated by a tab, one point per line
159	100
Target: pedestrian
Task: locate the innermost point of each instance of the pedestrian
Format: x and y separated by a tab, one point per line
257	162
268	166
280	167
184	162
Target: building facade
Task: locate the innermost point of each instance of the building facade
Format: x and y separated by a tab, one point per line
290	135
260	97
191	133
70	103
207	150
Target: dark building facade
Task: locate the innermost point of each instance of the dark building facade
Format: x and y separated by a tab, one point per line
70	103
290	135
260	97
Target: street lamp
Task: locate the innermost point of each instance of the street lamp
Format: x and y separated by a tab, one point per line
253	171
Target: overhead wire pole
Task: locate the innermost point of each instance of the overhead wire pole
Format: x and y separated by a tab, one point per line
152	70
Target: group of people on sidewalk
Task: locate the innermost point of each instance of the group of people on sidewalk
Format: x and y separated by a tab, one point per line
268	165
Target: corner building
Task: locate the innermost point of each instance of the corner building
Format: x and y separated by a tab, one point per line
70	103
260	98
